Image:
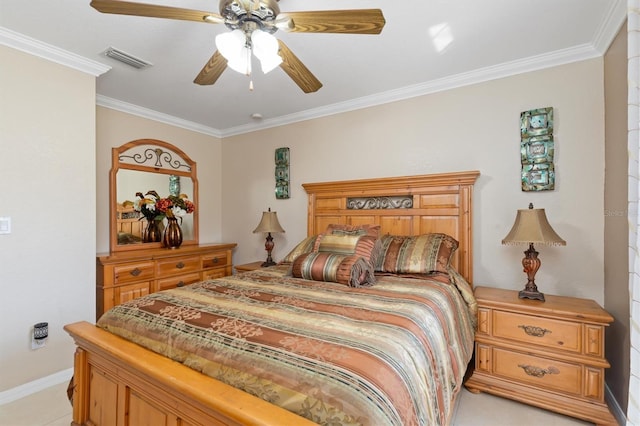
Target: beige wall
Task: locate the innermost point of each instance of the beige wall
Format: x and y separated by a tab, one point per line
616	228
116	128
47	175
475	127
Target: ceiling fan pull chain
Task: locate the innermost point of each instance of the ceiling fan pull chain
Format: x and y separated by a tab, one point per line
248	51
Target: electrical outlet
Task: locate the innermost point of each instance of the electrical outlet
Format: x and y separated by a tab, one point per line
37	344
39	335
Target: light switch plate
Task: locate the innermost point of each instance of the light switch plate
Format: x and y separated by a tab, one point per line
5	225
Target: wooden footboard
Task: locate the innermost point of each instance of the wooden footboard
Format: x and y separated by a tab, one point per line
117	382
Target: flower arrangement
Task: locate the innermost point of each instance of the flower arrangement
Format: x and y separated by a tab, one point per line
175	206
152	207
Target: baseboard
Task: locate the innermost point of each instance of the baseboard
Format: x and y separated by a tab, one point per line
615	408
27	389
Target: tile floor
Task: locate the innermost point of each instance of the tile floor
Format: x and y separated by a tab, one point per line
50	407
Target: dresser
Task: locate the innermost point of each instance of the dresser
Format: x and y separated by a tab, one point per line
548	354
126	275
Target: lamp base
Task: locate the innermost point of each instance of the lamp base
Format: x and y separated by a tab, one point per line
536	295
268	263
531	264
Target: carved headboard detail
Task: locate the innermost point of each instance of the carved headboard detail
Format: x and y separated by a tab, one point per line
409	205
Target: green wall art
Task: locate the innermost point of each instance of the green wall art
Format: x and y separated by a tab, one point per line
282	173
537	149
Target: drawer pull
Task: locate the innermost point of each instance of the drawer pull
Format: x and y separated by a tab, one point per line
180	284
537	371
215	260
179	265
534	331
135	272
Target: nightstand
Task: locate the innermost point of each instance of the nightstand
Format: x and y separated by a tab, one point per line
249	266
548	354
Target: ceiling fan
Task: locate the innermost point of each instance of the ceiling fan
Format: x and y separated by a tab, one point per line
253	23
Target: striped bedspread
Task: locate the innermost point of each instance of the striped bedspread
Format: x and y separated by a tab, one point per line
391	354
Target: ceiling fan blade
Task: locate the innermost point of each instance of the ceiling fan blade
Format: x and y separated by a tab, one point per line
360	21
212	70
142	9
298	72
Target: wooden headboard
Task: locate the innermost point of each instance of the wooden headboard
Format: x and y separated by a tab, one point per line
128	220
409	205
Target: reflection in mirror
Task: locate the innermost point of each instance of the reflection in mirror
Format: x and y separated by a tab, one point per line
130	182
149	169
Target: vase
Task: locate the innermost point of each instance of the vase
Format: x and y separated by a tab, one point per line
151	233
172	234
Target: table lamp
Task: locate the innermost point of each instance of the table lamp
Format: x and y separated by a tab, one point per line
268	224
531	226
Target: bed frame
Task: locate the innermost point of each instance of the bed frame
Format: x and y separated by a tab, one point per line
120	383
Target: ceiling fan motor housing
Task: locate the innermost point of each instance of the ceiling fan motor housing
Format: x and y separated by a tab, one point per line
239	13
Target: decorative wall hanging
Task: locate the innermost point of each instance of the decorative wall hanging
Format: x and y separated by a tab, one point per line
537	149
282	173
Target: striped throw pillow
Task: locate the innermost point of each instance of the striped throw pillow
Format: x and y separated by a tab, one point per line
365	246
350	270
421	254
304	246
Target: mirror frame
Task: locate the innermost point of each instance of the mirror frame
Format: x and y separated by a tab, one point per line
153	161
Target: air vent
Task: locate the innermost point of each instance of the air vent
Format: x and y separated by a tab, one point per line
126	58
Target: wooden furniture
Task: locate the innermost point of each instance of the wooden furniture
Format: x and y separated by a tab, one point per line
116	381
123	276
249	266
410	205
143	165
128	221
548	354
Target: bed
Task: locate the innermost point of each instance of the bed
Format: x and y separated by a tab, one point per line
376	349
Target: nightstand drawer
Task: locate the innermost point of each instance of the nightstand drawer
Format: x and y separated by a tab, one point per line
537	371
547	332
178	265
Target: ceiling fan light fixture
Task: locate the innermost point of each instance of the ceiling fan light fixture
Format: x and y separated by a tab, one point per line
265	47
242	62
230	44
234	47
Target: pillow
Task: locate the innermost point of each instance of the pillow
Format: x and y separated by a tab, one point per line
304	246
351	270
364	246
421	254
337	229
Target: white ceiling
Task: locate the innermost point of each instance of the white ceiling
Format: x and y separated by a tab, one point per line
488	39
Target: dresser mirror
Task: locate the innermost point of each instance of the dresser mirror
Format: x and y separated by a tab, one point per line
146	169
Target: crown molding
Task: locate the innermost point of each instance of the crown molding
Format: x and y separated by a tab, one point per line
507	69
51	53
150	114
610	26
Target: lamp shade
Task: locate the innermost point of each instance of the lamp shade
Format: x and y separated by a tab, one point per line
268	223
532	226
